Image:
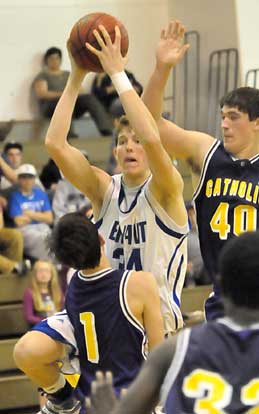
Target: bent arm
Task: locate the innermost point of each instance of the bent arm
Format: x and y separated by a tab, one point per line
90	181
42	91
8	172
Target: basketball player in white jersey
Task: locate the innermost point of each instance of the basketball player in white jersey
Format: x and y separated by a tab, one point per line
140	213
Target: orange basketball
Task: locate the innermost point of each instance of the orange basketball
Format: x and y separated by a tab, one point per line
82	32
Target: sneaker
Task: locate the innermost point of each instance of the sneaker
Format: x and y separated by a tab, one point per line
69	406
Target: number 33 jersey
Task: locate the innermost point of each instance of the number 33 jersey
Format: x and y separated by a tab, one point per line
139	235
226	201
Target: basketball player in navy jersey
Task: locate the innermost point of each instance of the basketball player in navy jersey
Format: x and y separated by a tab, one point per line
210	368
140	213
225	174
113	315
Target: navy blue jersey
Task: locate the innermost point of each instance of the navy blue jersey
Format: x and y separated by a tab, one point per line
108	336
215	369
226	202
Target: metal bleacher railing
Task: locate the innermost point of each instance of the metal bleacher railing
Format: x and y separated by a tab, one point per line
223	77
252	78
183	91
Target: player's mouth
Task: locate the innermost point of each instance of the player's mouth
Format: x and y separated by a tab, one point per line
130	160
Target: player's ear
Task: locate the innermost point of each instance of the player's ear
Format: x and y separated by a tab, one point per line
257	124
114	151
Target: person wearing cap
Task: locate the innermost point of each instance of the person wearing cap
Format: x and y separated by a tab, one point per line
30	209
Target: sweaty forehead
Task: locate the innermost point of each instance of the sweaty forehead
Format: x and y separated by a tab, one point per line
126	131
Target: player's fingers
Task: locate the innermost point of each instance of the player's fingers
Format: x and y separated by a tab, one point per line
163	34
117	40
175	29
108	377
105	35
93	387
181	31
88	404
171	27
99	39
92	49
123	392
99	377
184	50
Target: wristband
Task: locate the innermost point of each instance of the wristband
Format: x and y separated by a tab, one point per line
121	82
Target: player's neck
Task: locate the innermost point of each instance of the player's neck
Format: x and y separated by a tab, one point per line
104	264
241	315
248	152
135	181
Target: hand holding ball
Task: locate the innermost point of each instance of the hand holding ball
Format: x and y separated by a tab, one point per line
82	32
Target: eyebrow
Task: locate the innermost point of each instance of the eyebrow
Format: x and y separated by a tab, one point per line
231	112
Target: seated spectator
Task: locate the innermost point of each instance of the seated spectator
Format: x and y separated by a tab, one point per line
7	172
196	274
50	175
30	209
48	86
44	297
104	90
13	154
67	199
11	250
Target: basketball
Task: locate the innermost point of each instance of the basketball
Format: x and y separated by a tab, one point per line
82	32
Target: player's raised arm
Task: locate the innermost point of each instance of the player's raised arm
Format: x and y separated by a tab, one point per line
142	123
177	141
90	180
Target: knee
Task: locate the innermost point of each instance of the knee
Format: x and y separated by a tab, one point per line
24	353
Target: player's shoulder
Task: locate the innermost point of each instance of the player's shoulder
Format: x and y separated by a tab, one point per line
141	282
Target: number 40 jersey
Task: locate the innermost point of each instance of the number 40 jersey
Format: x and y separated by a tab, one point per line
139	235
226	201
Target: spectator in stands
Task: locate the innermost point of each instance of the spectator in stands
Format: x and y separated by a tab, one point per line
30	209
44	297
13	154
104	90
11	250
68	199
196	273
49	85
50	175
7	172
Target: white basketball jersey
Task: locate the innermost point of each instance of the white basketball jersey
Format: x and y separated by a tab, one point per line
140	235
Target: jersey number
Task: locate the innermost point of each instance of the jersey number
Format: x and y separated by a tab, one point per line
212	393
244	219
88	320
134	262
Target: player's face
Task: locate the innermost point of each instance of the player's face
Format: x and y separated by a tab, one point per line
238	130
130	154
54	62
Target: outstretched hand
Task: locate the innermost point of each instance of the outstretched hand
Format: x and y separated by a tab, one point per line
171	48
102	399
110	54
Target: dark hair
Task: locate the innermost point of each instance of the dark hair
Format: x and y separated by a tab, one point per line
13	144
75	242
246	99
239	270
52	51
122	123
